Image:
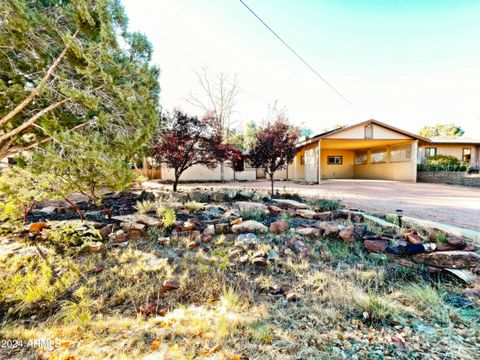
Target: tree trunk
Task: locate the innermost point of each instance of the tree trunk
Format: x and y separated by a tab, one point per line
75	207
175	183
271	179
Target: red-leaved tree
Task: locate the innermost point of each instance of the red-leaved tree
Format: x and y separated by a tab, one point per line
186	140
274	147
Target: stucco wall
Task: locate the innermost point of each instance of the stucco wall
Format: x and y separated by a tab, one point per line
358	132
344	171
386	171
202	173
455	150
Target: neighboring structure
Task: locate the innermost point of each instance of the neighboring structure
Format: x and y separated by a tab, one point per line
464	149
368	150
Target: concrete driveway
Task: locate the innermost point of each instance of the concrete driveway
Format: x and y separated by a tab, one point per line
454	205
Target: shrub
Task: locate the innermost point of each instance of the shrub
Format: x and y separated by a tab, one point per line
193	206
253	214
325	204
442	160
144	207
169	217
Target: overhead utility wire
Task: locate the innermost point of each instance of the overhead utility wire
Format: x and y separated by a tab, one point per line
297	55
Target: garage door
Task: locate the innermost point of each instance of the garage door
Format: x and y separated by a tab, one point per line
311	165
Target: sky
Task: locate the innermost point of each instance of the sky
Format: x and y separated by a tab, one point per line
407	63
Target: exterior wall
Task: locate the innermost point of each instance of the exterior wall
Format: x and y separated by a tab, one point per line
400	171
202	173
449	177
358	132
455	150
312	161
344	171
296	171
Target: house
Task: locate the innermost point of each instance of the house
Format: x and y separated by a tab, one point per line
367	150
466	150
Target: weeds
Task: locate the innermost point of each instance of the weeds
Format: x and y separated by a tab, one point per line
193	206
144	207
253	214
325	205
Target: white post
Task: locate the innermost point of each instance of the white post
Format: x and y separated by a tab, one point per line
414	160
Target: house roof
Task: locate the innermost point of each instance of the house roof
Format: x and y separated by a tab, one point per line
461	140
363	123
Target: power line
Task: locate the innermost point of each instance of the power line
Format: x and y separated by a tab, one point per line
297	55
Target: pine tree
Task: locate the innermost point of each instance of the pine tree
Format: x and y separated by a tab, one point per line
73	65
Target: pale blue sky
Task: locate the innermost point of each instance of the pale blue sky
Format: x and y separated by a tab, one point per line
407	63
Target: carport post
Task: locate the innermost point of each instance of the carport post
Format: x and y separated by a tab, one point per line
319	160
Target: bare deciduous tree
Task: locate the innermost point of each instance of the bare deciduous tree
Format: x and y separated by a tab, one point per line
218	98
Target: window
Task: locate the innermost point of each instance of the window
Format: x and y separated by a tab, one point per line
334	160
429	151
467	155
401	153
369	131
379	156
360	157
302	160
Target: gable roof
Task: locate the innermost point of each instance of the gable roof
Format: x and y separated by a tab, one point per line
363	123
459	140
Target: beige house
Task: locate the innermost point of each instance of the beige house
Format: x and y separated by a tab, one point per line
368	150
464	149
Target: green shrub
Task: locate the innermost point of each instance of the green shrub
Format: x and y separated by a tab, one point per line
169	217
325	204
144	207
442	160
253	214
193	206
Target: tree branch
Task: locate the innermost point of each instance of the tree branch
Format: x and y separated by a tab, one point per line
37	90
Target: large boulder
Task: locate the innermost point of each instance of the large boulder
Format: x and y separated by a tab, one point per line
286	203
305	213
249	226
261	196
218	196
449	259
178	197
199	196
348	234
230	194
278	227
246	195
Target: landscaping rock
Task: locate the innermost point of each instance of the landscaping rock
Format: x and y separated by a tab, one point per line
308	232
199	196
188	225
260	261
164	241
324	216
272	255
132	226
328	229
275	209
48	209
348	234
92	247
449	259
413	238
249	226
230	194
276	289
306	214
246	195
261	195
118	236
243	259
192	245
278	227
209	230
456	243
170	285
106	231
178	197
150	308
236	221
250	205
206	238
377	246
259	253
222	228
37	227
292	296
286	203
246	240
218	196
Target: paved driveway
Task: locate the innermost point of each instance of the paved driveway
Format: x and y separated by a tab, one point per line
454	205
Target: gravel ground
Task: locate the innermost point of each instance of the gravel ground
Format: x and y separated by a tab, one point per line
454	205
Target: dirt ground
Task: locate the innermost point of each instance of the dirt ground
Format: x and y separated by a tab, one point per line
454	205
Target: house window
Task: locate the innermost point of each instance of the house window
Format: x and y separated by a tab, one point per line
467	155
429	152
334	160
378	156
361	157
369	131
401	153
302	160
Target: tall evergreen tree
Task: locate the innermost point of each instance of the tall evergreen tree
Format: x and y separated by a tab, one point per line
73	65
